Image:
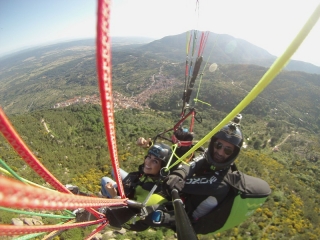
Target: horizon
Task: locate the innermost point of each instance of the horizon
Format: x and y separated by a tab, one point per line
93	38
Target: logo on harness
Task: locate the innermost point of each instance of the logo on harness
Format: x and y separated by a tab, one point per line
201	180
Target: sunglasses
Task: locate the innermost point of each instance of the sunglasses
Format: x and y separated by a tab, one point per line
227	150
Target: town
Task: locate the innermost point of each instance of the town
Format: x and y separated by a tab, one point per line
158	83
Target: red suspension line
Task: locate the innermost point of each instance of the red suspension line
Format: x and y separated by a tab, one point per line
183	119
200	44
21	148
14	194
10	230
105	85
203	41
98	229
192	122
54	233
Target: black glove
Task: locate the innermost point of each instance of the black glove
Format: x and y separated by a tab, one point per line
172	182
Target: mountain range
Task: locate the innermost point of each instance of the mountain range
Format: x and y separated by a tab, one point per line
223	49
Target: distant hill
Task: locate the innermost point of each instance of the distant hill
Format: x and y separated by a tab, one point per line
130	40
223	49
18	57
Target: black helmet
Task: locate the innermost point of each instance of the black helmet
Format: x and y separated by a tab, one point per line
161	151
230	133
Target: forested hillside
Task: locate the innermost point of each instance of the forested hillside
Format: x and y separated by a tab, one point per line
71	143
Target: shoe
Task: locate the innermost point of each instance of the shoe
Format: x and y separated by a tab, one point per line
73	189
83	216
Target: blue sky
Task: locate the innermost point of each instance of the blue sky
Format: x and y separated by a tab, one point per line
33	22
269	24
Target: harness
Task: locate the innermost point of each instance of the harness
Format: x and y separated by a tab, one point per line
138	180
246	194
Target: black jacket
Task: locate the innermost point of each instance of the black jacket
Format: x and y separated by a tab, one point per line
202	181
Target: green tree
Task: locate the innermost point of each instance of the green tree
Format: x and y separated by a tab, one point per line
257	144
